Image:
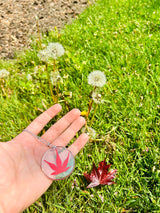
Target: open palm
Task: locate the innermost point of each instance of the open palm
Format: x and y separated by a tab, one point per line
21	179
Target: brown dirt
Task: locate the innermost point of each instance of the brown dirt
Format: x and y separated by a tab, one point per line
18	23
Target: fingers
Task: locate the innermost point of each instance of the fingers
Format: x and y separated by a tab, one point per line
60	126
66	136
37	125
79	144
63	130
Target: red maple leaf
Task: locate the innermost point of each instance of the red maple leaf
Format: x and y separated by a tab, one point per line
100	176
59	167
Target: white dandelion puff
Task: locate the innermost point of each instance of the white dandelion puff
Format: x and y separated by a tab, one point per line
91	132
43	55
97	98
55	77
97	78
4	73
55	50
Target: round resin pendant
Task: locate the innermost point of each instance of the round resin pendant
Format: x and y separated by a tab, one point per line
58	163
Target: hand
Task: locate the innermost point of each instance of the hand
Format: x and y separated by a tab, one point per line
21	179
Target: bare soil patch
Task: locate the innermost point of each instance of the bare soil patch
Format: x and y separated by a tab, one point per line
18	23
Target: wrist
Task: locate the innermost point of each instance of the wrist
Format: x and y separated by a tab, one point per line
1	208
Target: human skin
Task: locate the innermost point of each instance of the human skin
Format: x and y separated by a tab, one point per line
22	181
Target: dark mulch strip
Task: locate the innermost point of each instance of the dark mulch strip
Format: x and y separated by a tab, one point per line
18	23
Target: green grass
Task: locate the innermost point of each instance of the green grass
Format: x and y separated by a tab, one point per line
120	38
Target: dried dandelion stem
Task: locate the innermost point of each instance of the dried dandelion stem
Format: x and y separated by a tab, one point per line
39	33
49	82
54	66
2	86
89	109
57	86
57	92
93	115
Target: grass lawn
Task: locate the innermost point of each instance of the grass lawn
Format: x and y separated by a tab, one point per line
120	38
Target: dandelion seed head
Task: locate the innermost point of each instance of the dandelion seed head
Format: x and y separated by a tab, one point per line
97	78
43	55
90	132
55	77
55	50
97	98
4	73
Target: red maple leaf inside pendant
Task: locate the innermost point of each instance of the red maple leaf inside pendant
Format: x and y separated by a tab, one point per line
57	163
100	176
59	167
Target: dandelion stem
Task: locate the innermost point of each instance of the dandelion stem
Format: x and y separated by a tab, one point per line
93	115
3	88
39	34
54	68
49	82
57	86
89	109
57	91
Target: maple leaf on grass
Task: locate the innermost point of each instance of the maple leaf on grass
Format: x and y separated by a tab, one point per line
100	175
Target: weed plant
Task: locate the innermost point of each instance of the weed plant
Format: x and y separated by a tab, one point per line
120	38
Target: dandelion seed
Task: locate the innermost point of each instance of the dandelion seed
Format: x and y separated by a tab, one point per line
55	77
29	77
97	98
90	132
4	73
36	17
55	50
43	46
38	69
97	78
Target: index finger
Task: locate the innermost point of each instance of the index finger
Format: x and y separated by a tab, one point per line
37	125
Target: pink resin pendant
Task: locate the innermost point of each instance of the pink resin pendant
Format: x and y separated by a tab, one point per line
58	163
